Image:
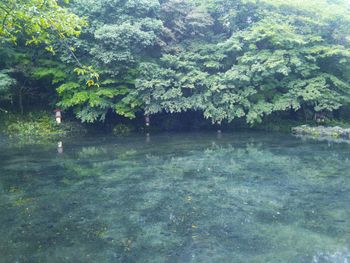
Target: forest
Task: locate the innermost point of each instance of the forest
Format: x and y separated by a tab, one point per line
251	61
175	131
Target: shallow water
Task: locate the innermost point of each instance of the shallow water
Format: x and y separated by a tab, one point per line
240	197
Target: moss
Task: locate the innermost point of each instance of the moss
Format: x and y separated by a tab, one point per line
322	131
336	135
315	133
37	127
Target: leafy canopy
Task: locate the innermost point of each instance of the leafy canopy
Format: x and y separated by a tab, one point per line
38	21
241	59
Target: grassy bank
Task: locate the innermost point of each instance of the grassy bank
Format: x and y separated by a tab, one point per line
37	127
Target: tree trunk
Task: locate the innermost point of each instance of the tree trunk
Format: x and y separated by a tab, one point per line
20	101
305	114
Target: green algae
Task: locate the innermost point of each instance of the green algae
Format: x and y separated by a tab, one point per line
179	198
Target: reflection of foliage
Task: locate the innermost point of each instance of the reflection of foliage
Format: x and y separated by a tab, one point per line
181	195
93	162
122	129
126	155
78	171
91	151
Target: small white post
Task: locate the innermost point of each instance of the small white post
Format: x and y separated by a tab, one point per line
58	116
147	120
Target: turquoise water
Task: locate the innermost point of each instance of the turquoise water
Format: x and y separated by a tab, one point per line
239	197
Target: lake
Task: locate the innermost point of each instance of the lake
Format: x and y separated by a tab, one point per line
192	197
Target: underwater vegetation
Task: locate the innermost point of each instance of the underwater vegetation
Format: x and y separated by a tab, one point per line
200	197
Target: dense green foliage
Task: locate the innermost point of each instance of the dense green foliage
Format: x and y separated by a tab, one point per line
39	21
228	60
48	25
37	127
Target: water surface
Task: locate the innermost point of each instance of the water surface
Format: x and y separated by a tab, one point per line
238	197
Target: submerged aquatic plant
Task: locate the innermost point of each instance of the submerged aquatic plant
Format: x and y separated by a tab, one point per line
182	198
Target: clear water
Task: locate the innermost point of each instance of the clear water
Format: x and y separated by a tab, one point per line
242	197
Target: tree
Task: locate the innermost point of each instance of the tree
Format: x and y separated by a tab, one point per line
48	24
278	59
38	21
226	59
6	82
120	35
